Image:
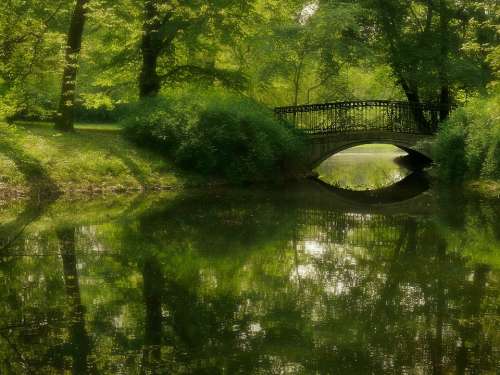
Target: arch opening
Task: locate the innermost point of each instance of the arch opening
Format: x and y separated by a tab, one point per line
368	166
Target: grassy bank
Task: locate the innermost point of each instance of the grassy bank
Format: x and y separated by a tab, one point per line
94	159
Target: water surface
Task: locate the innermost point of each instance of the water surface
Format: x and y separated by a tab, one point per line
258	281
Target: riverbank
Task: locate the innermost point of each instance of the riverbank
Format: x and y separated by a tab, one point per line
95	159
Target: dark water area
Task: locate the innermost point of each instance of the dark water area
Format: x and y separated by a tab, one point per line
295	280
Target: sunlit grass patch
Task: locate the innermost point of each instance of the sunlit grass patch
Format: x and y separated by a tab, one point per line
101	127
97	157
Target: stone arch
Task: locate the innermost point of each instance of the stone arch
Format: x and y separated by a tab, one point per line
323	147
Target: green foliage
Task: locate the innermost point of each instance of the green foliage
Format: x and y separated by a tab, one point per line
275	51
298	52
468	144
217	134
435	44
240	140
158	122
31	35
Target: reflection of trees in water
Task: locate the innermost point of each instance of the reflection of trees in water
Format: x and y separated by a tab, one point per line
153	284
393	301
43	322
79	346
256	285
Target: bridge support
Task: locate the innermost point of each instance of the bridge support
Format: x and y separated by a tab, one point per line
321	147
334	127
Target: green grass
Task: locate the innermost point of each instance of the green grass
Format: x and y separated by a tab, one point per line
374	147
94	158
79	127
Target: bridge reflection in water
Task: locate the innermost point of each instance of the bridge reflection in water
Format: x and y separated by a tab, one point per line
252	282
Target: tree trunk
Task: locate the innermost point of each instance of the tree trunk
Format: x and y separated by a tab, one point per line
444	102
149	81
444	97
296	83
411	93
65	115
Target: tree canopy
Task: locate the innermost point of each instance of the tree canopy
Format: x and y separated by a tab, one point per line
278	52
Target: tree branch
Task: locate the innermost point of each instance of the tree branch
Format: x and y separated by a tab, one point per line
229	78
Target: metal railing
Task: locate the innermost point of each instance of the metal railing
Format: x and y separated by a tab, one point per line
365	115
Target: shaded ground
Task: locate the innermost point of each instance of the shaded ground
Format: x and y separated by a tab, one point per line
94	159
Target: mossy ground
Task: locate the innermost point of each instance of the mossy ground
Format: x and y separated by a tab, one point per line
95	158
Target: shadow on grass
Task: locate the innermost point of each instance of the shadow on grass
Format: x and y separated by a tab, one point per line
134	169
35	174
93	141
43	192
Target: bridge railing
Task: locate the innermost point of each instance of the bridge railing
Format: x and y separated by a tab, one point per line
378	115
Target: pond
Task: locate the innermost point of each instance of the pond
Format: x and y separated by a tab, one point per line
251	281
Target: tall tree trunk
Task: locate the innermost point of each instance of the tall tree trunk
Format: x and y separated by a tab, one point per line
65	115
444	96
149	81
411	92
298	76
410	88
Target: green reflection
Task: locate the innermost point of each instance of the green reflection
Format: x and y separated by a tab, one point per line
252	282
366	167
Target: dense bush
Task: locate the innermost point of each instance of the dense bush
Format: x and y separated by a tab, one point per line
160	123
468	145
240	140
216	134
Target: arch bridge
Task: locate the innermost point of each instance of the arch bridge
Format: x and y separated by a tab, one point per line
334	127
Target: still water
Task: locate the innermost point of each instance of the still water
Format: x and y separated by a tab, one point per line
295	280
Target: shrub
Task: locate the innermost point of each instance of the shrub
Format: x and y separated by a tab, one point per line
468	144
240	140
217	134
160	123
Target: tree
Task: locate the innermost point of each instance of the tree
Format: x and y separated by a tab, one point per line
174	34
151	46
426	44
298	51
65	115
29	46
